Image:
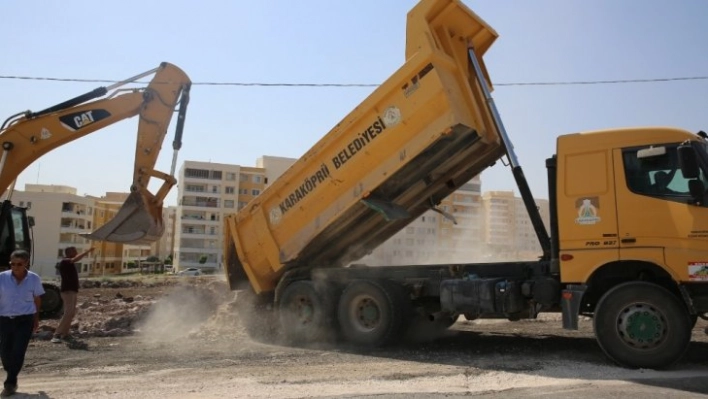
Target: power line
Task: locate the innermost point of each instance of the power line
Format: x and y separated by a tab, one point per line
260	84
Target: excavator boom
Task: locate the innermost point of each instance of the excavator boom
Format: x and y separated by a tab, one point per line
27	136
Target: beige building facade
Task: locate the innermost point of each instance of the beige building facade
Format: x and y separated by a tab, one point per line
60	216
206	193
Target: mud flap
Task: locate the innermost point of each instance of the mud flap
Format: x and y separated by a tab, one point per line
139	221
571	298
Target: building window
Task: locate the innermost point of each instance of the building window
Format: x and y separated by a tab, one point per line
230	176
257	179
215	175
194	188
228	203
196	173
243	191
229	190
242	204
410	230
255	192
243	178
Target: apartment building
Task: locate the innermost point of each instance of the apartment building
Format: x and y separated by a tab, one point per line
460	235
475	227
60	216
207	192
165	246
437	238
508	232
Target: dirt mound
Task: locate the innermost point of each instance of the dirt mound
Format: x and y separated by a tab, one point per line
158	310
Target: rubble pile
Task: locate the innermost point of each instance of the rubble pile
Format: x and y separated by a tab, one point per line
165	309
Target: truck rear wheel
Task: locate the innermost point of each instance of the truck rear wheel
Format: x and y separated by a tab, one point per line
643	325
305	314
52	303
372	313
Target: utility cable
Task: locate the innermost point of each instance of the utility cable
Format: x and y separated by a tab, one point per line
248	84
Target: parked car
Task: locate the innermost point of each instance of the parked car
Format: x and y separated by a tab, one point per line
191	271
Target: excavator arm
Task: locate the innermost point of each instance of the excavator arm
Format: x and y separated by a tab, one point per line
27	136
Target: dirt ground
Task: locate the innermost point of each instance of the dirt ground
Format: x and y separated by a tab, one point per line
179	337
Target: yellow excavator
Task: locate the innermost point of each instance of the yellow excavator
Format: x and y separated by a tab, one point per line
28	135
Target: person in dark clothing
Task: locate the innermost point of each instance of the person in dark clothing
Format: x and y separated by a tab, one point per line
20	301
69	291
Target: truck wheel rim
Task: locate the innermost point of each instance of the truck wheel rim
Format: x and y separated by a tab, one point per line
366	313
642	326
304	310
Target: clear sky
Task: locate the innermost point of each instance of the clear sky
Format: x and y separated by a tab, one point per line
337	41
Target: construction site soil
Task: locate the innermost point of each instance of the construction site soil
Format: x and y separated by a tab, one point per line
181	337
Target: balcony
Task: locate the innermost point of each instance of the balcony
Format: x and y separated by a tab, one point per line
189	250
73	229
200	202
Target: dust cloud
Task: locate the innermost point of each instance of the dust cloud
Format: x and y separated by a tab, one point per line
183	312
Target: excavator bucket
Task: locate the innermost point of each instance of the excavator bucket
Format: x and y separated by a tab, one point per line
138	222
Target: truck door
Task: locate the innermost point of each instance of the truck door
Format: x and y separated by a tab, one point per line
658	221
586	208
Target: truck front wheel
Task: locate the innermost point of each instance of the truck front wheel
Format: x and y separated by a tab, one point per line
305	314
372	313
642	325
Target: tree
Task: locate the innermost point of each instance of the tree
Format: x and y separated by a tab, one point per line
153	259
202	259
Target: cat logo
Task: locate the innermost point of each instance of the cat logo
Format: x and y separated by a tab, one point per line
83	119
78	120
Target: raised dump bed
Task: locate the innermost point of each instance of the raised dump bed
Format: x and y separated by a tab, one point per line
418	137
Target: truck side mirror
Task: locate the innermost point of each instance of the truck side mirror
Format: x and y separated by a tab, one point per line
30	221
688	162
697	190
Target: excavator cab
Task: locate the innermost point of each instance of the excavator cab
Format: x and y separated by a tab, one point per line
15	233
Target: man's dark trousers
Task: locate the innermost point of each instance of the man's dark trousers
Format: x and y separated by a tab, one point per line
15	334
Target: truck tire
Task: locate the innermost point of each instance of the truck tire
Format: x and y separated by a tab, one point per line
642	325
372	313
52	304
305	314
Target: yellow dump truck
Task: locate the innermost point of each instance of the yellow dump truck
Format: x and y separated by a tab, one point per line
622	249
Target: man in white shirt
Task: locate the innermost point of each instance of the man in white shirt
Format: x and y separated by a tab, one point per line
20	292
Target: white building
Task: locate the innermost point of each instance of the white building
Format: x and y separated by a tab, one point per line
60	216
